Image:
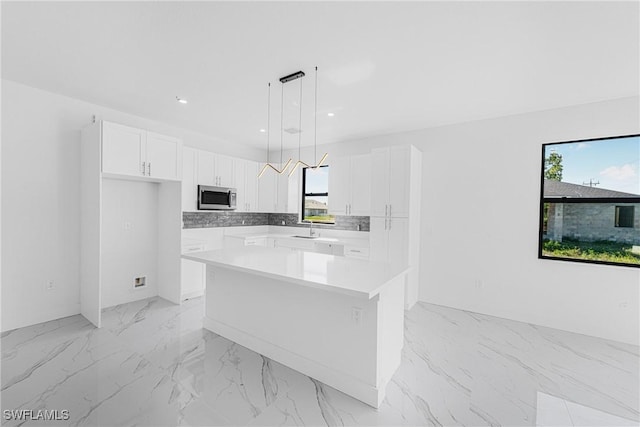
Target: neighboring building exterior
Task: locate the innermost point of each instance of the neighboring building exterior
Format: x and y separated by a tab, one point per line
314	208
590	222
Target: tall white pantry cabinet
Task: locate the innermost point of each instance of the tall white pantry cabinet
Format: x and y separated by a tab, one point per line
394	237
121	163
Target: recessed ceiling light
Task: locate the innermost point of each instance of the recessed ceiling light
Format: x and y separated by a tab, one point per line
180	100
331	114
263	130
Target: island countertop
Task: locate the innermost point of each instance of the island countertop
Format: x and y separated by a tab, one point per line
358	278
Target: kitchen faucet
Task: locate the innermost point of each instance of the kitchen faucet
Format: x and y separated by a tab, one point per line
311	232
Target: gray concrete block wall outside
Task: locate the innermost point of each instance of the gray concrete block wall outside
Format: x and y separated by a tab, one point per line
592	222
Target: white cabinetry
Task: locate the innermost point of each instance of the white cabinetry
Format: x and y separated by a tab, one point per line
163	156
215	169
246	172
388	240
128	151
268	192
234	241
193	274
251	185
391	178
189	178
396	174
130	187
350	185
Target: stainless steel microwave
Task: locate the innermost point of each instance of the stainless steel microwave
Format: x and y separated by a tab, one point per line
216	198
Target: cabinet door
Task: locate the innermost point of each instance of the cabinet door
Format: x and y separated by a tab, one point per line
189	186
339	186
399	173
398	238
282	193
239	178
379	182
224	171
122	149
251	185
294	198
164	156
360	185
378	239
192	278
206	168
267	186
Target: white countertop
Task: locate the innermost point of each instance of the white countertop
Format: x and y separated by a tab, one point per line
302	232
331	273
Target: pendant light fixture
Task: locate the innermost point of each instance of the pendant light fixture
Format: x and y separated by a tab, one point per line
268	164
315	134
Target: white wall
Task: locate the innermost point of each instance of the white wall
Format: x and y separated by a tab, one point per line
40	191
131	251
480	201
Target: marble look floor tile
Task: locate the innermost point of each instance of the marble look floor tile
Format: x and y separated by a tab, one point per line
153	364
236	382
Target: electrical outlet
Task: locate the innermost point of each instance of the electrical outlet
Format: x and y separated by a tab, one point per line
127	226
623	304
50	285
356	315
479	284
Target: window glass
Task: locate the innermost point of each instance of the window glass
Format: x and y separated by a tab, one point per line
315	195
590	191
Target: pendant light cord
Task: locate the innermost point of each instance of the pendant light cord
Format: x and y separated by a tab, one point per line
281	121
300	122
268	119
315	123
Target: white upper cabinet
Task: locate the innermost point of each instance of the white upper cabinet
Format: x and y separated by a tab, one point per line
135	152
164	156
225	171
339	186
350	185
390	169
206	168
268	192
251	185
189	190
215	169
122	149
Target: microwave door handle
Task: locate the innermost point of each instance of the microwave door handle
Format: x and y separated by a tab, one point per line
229	198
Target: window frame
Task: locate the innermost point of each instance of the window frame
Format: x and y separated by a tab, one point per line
570	200
305	194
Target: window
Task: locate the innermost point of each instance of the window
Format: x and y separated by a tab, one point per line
624	216
315	195
585	184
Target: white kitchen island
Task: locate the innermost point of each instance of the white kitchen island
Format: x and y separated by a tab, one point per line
336	319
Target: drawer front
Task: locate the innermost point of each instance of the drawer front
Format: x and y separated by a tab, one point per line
356	251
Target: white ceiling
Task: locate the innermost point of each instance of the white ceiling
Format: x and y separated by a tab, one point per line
384	67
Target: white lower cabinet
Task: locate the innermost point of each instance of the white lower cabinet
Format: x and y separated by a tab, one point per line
231	241
355	251
193	274
388	240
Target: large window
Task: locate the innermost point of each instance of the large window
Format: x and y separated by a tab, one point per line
590	191
315	195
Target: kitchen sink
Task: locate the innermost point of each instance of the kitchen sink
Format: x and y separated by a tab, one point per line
307	237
